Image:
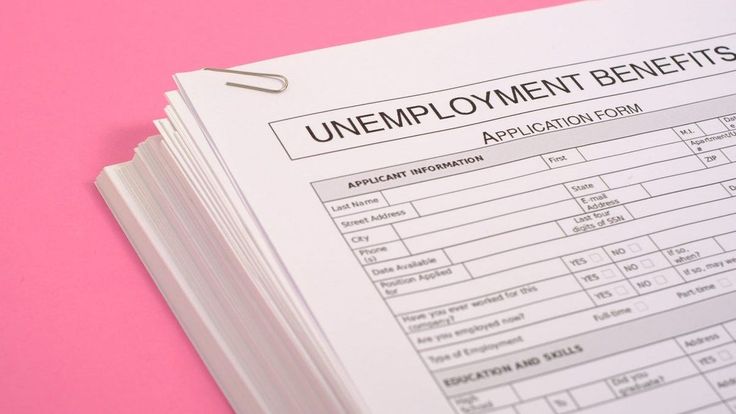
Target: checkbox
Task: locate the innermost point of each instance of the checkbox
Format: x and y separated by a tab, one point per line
724	282
725	355
641	306
607	273
621	290
647	264
660	280
634	247
595	257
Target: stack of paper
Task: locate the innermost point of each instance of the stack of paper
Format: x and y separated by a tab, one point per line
527	214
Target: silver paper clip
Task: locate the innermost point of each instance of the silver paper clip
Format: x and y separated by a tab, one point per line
274	76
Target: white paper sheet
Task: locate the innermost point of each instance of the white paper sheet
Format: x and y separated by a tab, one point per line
531	213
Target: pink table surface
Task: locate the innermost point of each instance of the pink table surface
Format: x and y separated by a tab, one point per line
82	326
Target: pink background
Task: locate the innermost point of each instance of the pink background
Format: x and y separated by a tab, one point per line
82	326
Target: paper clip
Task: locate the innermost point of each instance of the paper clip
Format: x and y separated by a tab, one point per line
274	76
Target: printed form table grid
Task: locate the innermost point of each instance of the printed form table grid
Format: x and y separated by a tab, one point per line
500	272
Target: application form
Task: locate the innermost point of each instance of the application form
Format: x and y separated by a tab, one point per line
527	214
